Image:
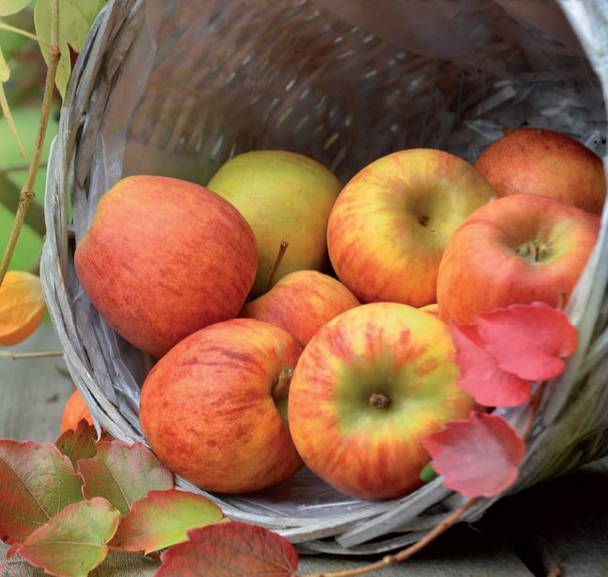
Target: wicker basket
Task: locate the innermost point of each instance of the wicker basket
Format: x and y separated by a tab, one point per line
175	87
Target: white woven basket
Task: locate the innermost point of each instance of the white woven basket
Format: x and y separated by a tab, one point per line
175	87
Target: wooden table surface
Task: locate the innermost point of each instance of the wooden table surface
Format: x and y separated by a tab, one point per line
559	527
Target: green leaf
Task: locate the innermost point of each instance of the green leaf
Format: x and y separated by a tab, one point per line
123	474
8	7
36	483
5	74
78	443
428	473
162	519
75	541
75	19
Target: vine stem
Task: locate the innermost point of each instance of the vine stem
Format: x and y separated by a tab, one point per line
27	194
25	33
389	560
40	355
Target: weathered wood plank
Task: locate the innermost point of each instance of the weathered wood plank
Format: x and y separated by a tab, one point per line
561	523
33	393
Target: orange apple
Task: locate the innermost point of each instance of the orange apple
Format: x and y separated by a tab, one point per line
392	221
301	303
545	162
370	385
518	249
214	408
164	258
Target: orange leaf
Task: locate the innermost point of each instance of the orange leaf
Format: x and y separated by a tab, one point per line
21	307
75	410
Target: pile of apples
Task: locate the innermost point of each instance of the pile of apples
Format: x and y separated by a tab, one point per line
265	364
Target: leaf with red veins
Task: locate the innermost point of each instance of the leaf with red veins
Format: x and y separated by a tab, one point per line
78	443
74	541
529	341
230	550
123	474
162	519
36	483
480	375
478	457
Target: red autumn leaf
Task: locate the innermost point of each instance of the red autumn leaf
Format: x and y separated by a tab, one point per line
480	375
162	519
230	550
478	457
74	541
123	474
36	482
529	341
78	443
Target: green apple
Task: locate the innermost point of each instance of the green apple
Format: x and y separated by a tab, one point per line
283	196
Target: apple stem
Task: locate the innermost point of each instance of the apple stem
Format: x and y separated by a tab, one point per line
379	401
283	383
277	262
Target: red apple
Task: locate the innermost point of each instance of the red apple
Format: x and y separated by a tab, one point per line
301	303
214	408
518	249
392	221
164	258
538	161
370	385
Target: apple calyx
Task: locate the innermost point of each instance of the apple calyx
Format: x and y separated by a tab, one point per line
379	401
281	387
534	250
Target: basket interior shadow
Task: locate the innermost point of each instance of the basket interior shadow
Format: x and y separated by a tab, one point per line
177	87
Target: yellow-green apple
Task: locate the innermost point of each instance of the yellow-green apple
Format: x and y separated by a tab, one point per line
518	249
164	258
538	161
283	196
370	385
301	303
391	222
214	408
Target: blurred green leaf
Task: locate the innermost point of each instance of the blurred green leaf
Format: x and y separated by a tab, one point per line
5	74
12	6
75	19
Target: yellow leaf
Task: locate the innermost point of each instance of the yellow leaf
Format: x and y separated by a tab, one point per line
5	74
8	7
75	19
21	306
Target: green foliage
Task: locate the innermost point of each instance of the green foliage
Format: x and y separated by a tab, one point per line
75	19
9	7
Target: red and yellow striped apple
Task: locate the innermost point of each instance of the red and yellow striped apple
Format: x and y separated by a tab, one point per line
518	249
545	162
301	303
214	408
164	258
392	221
370	385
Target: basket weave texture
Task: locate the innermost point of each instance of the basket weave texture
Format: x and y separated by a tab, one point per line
176	87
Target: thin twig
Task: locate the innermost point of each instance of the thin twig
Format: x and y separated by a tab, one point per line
389	560
26	195
277	262
534	406
40	355
25	33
